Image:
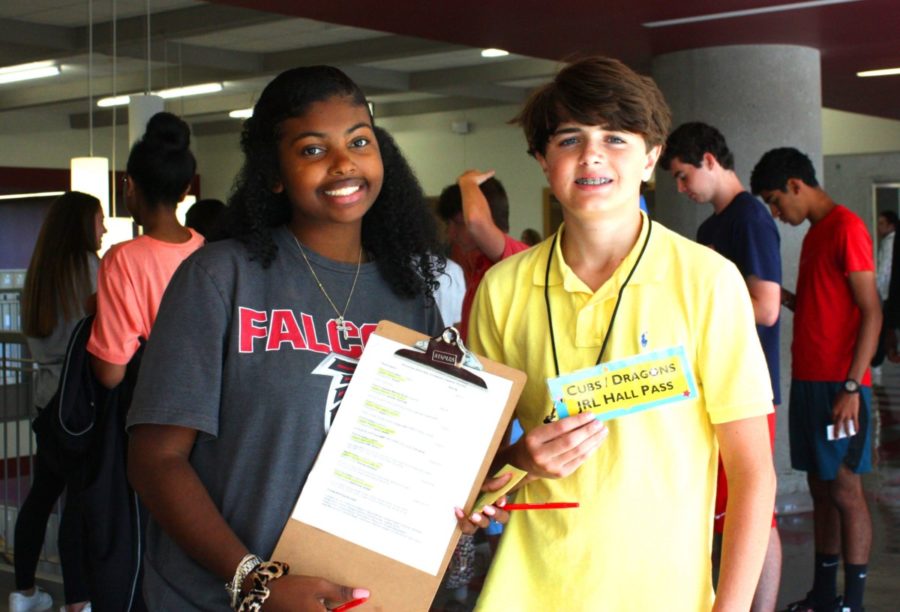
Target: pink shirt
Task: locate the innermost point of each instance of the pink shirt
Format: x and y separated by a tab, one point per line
133	277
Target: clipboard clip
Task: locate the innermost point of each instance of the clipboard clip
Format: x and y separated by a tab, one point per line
447	353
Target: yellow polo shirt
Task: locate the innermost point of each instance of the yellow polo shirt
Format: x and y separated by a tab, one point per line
641	539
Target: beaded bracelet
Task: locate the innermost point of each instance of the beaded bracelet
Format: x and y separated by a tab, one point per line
259	593
247	565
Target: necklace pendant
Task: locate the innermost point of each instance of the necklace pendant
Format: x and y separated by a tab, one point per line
341	326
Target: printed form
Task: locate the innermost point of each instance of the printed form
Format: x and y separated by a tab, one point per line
402	452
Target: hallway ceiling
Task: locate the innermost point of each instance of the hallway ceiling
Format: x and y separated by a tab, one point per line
410	56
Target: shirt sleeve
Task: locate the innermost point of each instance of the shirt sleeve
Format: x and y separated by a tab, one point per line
117	328
182	370
759	252
856	247
484	336
731	366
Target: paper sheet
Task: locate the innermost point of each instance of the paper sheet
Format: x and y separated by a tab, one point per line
391	470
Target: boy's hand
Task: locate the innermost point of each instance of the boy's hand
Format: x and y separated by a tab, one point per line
844	411
555	450
474	177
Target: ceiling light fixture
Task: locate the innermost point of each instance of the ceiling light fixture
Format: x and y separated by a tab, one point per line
879	72
175	92
26	72
241	113
35	194
91	174
794	6
494	52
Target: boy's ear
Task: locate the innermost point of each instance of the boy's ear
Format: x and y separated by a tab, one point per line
794	185
277	186
545	167
652	156
709	160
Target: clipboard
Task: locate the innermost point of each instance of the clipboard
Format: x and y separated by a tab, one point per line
394	585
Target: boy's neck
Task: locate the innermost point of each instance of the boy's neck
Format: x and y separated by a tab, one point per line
729	187
820	204
594	250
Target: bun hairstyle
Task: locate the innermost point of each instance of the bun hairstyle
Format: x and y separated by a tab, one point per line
161	163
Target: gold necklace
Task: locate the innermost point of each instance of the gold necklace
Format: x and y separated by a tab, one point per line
339	322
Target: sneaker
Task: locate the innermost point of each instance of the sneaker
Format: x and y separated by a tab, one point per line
86	608
36	602
806	605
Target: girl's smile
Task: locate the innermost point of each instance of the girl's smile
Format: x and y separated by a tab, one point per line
329	164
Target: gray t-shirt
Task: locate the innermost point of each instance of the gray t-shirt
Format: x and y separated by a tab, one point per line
49	352
250	358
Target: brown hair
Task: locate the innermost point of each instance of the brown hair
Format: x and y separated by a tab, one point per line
596	91
57	282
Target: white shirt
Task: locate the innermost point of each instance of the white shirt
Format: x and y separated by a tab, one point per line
450	293
885	257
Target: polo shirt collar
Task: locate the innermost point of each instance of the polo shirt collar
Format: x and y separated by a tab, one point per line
650	270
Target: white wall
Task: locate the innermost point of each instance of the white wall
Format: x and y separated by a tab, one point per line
44	140
438	156
848	133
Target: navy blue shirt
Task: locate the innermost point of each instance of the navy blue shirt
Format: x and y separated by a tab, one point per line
744	232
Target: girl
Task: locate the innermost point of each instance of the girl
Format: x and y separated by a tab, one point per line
243	374
59	291
135	273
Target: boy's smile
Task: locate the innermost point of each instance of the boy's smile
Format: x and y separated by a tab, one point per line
593	169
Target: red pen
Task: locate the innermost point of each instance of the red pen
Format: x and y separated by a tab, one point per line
547	506
350	604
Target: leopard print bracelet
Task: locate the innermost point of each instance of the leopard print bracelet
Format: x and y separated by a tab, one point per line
259	592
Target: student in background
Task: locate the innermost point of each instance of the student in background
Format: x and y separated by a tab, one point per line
837	322
476	211
207	217
885	229
742	230
59	291
530	236
134	274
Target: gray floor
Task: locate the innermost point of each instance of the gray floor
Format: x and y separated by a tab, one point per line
883	491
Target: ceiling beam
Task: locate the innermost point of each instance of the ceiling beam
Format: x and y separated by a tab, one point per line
369	50
511	70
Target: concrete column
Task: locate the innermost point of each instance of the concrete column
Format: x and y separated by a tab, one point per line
760	97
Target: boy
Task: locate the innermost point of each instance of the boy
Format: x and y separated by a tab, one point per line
742	230
616	286
837	320
476	211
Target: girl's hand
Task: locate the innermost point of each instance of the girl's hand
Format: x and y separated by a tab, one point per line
481	517
555	450
308	594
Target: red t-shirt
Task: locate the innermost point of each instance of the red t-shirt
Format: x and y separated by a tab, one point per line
827	319
475	268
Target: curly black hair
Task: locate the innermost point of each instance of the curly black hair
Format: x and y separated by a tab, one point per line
161	162
399	232
777	166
